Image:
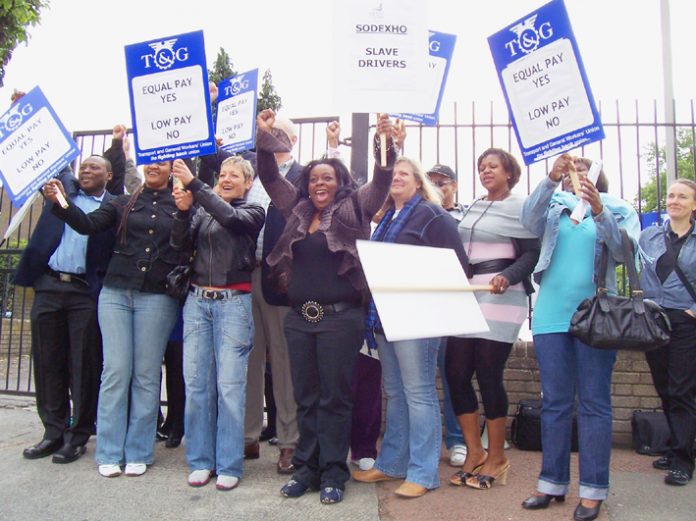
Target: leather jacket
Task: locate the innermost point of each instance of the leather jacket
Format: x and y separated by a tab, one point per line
222	235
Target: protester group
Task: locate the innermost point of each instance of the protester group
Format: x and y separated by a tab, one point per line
276	283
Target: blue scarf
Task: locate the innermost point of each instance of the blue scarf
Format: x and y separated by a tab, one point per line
386	231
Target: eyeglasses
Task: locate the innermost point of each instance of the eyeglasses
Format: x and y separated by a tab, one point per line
441	184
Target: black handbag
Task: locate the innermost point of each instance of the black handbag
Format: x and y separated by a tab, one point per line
525	431
178	282
609	321
649	432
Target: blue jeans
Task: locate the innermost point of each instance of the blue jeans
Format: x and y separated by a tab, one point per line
135	327
568	366
217	341
413	436
453	433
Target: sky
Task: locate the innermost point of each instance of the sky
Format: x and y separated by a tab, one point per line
76	53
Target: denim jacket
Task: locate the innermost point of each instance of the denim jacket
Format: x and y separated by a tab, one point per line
542	217
672	294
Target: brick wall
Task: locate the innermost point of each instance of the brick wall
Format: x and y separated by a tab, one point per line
632	386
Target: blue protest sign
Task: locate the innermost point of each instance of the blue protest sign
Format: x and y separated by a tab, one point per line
34	146
236	111
169	98
441	46
545	85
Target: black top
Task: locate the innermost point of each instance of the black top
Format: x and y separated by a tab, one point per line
666	263
315	274
143	260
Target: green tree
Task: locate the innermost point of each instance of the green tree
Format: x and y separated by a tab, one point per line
16	16
222	68
268	97
655	157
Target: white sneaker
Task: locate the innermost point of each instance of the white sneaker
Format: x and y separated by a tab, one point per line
226	482
366	463
135	469
457	455
109	471
198	478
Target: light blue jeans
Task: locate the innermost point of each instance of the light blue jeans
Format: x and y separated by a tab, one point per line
569	367
217	341
453	432
413	435
135	328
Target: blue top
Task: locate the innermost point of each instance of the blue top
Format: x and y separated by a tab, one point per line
672	294
71	254
560	294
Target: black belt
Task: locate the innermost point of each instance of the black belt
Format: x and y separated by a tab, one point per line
491	266
314	312
68	277
215	294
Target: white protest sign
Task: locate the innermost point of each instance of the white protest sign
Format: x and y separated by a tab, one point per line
236	111
34	146
416	291
381	56
170	100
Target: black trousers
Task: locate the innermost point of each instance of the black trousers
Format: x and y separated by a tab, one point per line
673	369
67	351
487	358
322	357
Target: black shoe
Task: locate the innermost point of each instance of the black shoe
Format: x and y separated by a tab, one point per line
160	435
293	489
42	449
677	477
586	514
267	434
68	453
173	441
535	502
662	463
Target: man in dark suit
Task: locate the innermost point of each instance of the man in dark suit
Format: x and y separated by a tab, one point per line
66	270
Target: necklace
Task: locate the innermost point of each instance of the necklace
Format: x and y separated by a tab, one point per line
473	225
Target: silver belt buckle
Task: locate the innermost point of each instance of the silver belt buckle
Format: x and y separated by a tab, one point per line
312	311
64	277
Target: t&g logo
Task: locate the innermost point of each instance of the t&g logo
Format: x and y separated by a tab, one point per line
165	55
528	36
14	118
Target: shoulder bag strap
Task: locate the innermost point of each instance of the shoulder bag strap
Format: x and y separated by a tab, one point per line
629	261
677	269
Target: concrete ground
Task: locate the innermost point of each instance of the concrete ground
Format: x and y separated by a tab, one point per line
40	490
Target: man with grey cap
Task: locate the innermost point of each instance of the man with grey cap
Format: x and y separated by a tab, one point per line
445	179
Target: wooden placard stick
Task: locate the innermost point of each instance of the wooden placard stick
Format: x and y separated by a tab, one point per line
426	289
382	146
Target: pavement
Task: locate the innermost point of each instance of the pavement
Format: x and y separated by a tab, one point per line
40	490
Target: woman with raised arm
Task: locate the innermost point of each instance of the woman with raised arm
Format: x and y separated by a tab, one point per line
136	316
567	272
316	262
218	326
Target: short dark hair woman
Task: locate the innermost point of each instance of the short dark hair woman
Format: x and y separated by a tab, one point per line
316	261
502	254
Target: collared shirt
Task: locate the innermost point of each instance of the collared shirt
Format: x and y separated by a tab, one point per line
70	255
257	195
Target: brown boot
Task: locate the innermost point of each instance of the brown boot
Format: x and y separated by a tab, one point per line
285	465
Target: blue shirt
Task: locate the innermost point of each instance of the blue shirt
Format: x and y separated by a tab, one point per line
568	279
71	253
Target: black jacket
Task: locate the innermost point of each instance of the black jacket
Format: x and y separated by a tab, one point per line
47	236
144	259
222	234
